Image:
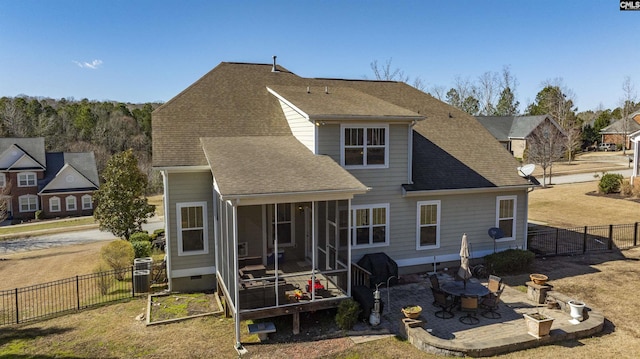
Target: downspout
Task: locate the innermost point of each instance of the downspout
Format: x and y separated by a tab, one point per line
315	251
526	221
235	271
349	247
410	153
167	233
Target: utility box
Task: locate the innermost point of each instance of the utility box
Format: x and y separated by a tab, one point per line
142	263
141	281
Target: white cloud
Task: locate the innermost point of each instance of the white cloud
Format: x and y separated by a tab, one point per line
89	65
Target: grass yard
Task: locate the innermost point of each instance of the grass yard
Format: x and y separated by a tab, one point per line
603	280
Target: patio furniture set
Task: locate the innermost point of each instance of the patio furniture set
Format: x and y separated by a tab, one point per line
467	297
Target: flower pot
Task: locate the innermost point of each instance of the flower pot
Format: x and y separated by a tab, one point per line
412	311
577	308
539	279
538	325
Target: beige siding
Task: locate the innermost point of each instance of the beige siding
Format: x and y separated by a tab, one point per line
518	147
300	127
190	187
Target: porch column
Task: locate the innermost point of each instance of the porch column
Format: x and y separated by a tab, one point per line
314	253
349	230
234	223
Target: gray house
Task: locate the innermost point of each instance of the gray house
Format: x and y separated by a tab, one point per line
512	131
276	184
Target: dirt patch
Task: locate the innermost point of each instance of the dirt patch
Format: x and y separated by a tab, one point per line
181	305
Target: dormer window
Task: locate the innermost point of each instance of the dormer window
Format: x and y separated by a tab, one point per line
26	179
364	146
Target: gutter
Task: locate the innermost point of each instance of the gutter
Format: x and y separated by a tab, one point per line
455	191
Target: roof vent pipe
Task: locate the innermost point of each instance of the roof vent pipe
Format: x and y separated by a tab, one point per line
308	89
326	89
274	69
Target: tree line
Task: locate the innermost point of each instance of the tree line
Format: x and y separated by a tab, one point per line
68	125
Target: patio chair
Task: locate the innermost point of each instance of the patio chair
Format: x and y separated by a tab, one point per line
490	304
435	283
469	304
445	302
495	284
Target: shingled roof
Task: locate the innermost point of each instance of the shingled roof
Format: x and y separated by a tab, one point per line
451	148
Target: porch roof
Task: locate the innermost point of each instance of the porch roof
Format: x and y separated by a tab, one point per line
271	166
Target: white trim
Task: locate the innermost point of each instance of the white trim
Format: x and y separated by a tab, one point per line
90	206
74	202
205	232
365	127
28	197
183	169
28	175
291	197
272	213
56	199
189	272
289	103
167	220
3	180
514	218
442	192
438	224
370	207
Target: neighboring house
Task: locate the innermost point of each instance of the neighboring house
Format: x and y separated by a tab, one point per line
635	143
58	184
512	131
273	180
620	131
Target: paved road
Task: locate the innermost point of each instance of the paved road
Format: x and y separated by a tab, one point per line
67	238
584	177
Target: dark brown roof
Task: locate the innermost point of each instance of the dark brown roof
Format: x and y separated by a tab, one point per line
270	165
451	148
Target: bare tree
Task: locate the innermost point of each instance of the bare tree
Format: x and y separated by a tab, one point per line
5	197
386	72
545	146
487	90
627	107
438	92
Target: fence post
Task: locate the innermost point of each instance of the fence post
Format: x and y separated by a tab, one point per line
557	235
635	234
610	236
133	286
17	309
78	293
584	240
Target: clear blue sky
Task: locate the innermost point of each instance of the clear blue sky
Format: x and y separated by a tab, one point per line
140	51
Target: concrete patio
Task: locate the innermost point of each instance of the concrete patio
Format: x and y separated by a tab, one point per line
488	337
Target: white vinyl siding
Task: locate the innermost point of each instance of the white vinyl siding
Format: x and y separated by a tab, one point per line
87	202
428	225
192	228
506	216
54	204
71	203
301	128
28	203
364	146
370	225
27	179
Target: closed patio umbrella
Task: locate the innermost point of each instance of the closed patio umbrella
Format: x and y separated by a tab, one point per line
464	272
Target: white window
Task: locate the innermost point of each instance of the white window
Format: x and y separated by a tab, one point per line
363	146
28	203
3	180
506	216
370	225
428	225
285	224
192	228
87	202
26	179
70	202
54	204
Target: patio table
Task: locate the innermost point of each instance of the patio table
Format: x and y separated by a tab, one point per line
457	289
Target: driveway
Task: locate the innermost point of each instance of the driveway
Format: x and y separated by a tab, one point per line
67	238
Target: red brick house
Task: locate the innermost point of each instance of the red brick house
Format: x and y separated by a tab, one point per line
54	184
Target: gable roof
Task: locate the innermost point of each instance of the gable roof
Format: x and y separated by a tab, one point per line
84	163
618	127
32	147
341	103
233	100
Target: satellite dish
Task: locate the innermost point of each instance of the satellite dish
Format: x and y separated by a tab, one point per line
526	170
496	233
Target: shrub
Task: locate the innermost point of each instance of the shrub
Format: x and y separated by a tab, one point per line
118	255
140	236
511	261
636	187
610	183
347	314
105	280
626	189
38	214
141	248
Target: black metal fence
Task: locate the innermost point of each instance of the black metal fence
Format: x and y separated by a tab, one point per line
40	301
550	241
